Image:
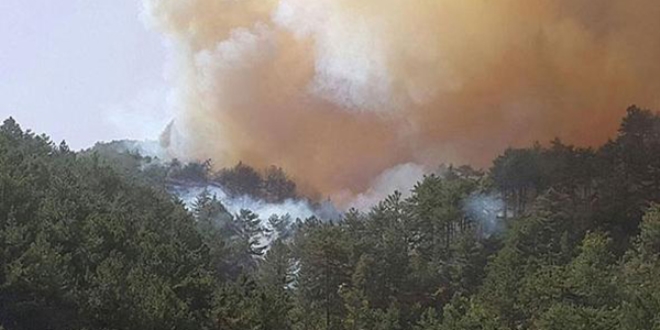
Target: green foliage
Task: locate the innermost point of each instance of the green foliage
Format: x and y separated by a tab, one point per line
468	314
240	180
590	275
85	247
567	316
277	187
640	271
273	185
93	240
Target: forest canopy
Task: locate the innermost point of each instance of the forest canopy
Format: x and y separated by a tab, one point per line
95	240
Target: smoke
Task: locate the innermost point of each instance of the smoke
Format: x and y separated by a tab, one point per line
486	210
146	148
400	178
295	209
339	91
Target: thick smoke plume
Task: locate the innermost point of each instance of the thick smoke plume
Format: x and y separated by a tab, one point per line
338	91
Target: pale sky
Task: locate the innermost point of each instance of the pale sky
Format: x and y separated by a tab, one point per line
81	70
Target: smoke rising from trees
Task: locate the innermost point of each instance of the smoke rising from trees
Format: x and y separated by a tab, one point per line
339	91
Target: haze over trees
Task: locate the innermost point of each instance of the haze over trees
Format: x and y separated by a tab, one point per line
94	240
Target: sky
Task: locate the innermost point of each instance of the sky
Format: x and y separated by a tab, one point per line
81	70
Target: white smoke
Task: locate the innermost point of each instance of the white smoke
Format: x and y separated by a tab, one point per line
289	210
400	178
296	209
146	148
486	210
354	61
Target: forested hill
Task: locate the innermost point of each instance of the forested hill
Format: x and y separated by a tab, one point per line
93	240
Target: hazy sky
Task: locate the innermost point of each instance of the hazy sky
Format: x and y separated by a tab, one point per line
81	70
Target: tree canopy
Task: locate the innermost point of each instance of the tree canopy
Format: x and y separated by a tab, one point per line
94	240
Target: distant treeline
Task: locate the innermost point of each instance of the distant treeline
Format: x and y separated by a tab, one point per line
89	242
272	184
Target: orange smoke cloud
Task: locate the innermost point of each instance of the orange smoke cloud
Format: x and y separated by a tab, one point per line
339	91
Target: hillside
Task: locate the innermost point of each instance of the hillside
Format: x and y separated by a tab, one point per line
101	239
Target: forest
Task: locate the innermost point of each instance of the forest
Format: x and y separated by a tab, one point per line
95	240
